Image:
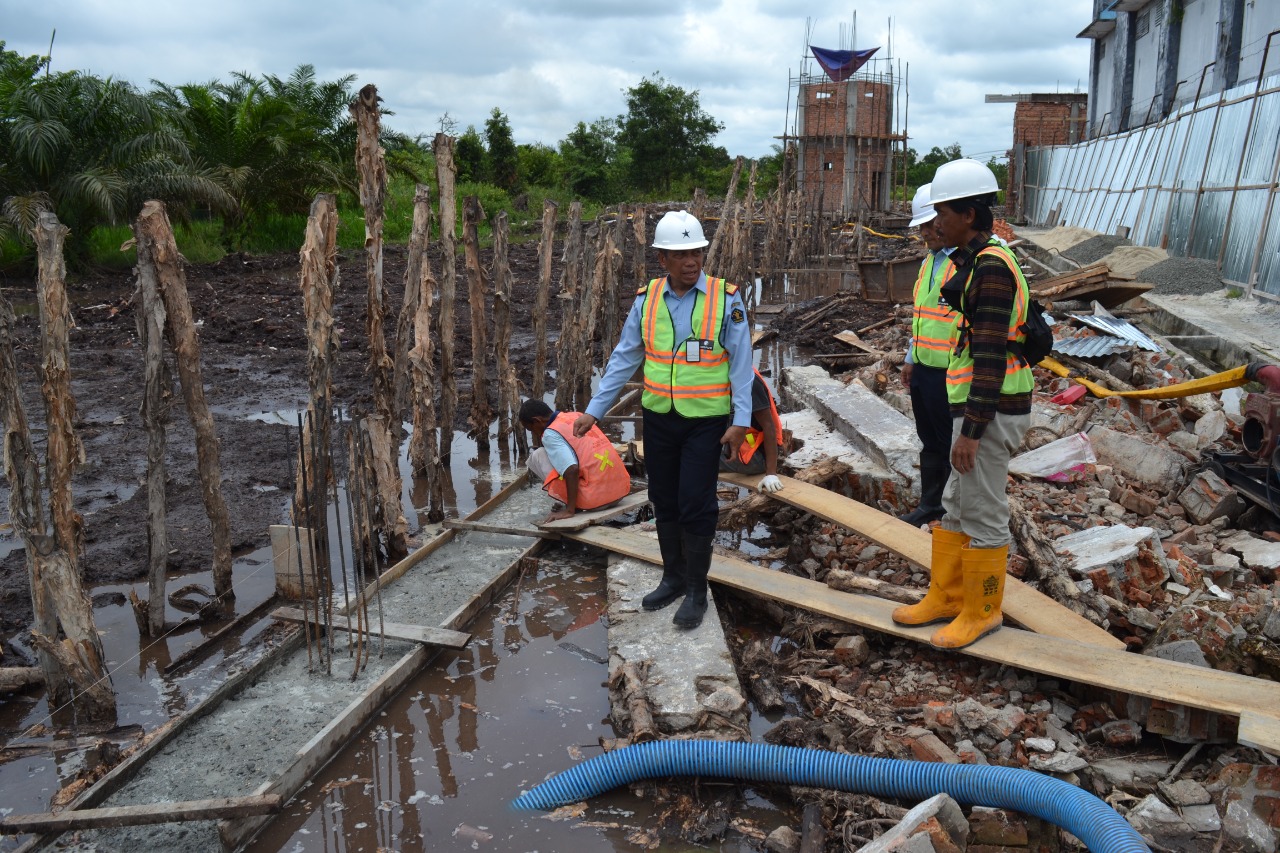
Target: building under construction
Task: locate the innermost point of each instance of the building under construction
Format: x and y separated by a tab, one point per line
846	130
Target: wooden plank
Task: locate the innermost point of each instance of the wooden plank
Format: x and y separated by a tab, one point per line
1058	657
631	502
215	809
481	527
768	308
851	338
391	630
1109	293
1031	609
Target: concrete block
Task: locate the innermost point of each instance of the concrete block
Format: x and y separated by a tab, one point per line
1247	830
869	481
1202	818
871	425
1258	554
852	650
784	839
688	670
1184	792
1060	763
1122	562
1156	820
935	826
1208	496
1144	461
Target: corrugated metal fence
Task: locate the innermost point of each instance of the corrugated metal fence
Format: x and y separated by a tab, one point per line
1202	183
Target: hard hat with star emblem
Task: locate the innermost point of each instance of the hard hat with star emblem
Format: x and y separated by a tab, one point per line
678	229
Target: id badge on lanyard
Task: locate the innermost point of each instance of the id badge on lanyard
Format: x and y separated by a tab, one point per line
693	349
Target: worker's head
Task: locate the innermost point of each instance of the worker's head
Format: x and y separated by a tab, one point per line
962	194
535	416
923	217
681	247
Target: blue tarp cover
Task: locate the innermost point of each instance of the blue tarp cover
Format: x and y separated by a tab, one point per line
840	65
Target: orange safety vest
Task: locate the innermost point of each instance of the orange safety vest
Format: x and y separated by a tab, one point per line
755	437
602	479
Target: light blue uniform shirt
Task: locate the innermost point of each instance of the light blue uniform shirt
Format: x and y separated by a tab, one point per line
559	451
629	353
935	282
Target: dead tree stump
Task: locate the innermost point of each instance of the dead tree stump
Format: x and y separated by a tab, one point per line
423	453
64	451
446	178
508	384
639	271
612	313
477	286
157	399
74	668
570	281
731	195
185	343
543	300
419	240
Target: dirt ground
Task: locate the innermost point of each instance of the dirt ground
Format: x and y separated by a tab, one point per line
254	362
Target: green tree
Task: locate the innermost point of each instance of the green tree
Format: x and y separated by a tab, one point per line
90	149
470	157
1001	170
504	159
540	166
667	133
920	172
589	155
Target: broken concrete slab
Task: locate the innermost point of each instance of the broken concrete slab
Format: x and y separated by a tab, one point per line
1247	830
1208	496
1145	461
872	425
1154	819
1120	561
868	481
935	826
1258	554
690	673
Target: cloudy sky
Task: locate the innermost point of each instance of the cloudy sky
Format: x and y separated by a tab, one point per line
549	64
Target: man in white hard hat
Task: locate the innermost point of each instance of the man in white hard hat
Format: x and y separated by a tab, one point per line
690	332
989	387
933	336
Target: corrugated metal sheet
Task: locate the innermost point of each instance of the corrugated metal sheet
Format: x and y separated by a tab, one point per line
1091	346
1161	180
1118	328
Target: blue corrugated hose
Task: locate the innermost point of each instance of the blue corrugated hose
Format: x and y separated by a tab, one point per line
1080	813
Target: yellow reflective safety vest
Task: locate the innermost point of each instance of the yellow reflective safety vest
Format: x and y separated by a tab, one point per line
602	478
934	325
755	438
691	375
1018	378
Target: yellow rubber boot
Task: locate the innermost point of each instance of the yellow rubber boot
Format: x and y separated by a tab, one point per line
983	571
945	595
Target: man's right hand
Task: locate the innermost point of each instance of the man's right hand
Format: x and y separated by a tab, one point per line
583	425
906	375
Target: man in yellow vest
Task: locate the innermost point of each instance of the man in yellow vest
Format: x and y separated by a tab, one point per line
580	472
690	332
933	336
989	386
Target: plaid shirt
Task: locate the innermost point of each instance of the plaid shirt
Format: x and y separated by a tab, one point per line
988	304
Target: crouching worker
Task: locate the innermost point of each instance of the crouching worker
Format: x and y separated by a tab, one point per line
583	473
759	451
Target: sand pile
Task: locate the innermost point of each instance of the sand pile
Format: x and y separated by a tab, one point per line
1131	260
1064	237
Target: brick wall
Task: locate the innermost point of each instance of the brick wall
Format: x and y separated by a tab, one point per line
1037	124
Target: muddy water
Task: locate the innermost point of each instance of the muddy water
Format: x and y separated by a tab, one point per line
442	762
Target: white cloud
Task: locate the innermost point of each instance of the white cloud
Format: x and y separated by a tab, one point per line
553	63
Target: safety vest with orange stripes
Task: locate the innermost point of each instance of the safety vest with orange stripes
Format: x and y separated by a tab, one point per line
1018	378
933	323
602	479
691	375
755	438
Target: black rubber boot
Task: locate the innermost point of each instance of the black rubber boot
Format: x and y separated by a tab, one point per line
697	561
933	480
672	585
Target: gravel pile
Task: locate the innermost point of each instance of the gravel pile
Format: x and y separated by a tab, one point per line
1095	248
1183	275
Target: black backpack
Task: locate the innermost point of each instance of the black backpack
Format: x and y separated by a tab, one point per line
1039	342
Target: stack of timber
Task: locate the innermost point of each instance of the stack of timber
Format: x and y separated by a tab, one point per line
1094	282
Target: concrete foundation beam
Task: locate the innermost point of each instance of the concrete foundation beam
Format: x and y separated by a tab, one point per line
1144	461
869	481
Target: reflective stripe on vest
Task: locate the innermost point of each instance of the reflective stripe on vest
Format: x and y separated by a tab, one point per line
934	326
754	439
1018	378
696	389
602	479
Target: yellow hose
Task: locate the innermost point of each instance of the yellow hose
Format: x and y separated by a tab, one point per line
1232	378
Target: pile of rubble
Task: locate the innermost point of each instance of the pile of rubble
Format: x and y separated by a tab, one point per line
1117	517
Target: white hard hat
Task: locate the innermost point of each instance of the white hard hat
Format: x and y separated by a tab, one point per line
963	178
678	229
922	207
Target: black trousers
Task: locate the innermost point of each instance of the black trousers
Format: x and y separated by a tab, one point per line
682	457
932	413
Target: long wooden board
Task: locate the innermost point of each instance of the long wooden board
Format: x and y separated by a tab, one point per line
220	807
1254	700
1028	607
424	634
505	529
